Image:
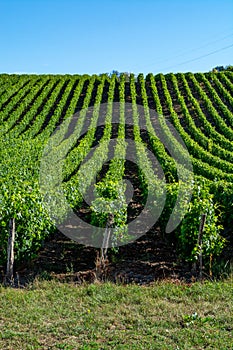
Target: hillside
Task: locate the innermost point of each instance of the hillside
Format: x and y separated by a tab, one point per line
198	106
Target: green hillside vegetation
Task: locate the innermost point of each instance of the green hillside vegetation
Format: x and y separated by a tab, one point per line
199	106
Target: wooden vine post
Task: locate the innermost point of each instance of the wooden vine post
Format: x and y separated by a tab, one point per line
106	238
200	235
102	260
10	251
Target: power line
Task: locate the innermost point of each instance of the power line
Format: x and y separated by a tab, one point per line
200	57
188	51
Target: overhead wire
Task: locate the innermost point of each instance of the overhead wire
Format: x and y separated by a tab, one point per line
200	57
187	52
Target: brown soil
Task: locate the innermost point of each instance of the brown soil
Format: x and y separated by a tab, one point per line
148	259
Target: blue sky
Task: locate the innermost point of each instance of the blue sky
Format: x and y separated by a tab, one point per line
68	36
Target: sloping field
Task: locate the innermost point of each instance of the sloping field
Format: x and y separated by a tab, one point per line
200	108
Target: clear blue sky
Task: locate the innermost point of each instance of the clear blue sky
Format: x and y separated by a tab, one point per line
68	36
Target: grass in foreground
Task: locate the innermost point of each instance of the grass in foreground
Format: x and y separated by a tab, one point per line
51	315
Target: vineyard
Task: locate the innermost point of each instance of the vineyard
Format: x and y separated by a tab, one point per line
183	179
